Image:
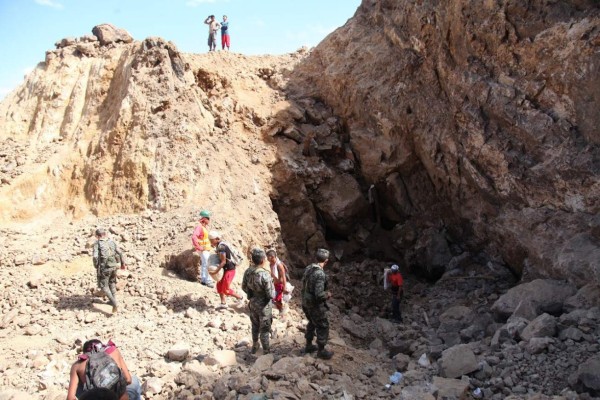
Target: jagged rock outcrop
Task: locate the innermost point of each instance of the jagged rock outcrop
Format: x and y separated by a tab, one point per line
478	120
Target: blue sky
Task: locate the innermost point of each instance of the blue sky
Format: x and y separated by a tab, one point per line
30	27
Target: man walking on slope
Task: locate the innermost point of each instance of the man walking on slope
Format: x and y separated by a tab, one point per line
202	245
258	286
107	257
314	305
227	265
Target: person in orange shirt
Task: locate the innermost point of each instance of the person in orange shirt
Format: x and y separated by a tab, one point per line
395	281
202	245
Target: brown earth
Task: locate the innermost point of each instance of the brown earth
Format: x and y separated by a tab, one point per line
458	139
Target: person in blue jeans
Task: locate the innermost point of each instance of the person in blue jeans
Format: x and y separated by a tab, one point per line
133	390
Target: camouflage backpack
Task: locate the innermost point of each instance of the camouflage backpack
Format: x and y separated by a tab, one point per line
106	254
101	371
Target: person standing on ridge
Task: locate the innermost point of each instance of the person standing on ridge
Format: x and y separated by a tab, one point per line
225	39
202	245
213	28
395	281
258	286
314	305
228	267
107	257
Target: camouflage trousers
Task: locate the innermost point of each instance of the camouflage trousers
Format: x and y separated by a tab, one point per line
107	281
261	318
317	322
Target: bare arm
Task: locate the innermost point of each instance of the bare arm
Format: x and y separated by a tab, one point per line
73	382
222	259
121	363
282	278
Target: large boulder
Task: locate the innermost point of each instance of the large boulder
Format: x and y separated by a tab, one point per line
586	297
457	361
341	203
107	34
542	326
187	263
587	377
534	298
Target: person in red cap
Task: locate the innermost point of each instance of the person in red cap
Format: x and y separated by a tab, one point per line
395	281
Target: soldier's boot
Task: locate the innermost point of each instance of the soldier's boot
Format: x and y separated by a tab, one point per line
266	349
255	347
324	354
310	348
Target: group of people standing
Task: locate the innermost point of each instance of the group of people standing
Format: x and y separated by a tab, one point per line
213	30
265	283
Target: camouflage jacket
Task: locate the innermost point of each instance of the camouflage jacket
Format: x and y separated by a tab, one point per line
314	286
258	285
106	254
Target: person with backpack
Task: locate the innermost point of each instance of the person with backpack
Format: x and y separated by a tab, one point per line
395	282
227	264
102	366
279	273
107	257
258	286
201	243
314	305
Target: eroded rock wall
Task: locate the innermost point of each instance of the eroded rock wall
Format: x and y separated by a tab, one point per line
476	119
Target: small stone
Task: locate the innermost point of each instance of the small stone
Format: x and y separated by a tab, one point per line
152	386
178	352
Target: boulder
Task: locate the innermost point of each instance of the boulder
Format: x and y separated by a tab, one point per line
537	345
178	352
542	326
186	263
401	362
152	387
107	34
263	363
222	358
541	295
457	361
586	297
341	203
587	377
451	388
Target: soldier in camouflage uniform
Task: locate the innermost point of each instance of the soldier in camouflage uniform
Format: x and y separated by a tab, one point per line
314	305
107	257
258	285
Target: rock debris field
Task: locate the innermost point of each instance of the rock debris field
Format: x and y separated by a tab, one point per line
537	340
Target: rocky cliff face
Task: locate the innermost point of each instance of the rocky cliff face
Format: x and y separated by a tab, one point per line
112	125
478	125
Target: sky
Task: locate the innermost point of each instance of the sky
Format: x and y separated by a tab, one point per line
28	28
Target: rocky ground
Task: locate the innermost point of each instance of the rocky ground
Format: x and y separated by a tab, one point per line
136	136
181	346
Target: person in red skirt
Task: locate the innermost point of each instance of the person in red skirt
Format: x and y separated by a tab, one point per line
224	285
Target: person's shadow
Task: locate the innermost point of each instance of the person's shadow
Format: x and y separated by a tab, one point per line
182	303
81	302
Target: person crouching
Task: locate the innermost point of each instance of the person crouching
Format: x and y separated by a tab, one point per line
224	285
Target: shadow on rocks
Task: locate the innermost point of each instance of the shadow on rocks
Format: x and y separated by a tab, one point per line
185	302
80	302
